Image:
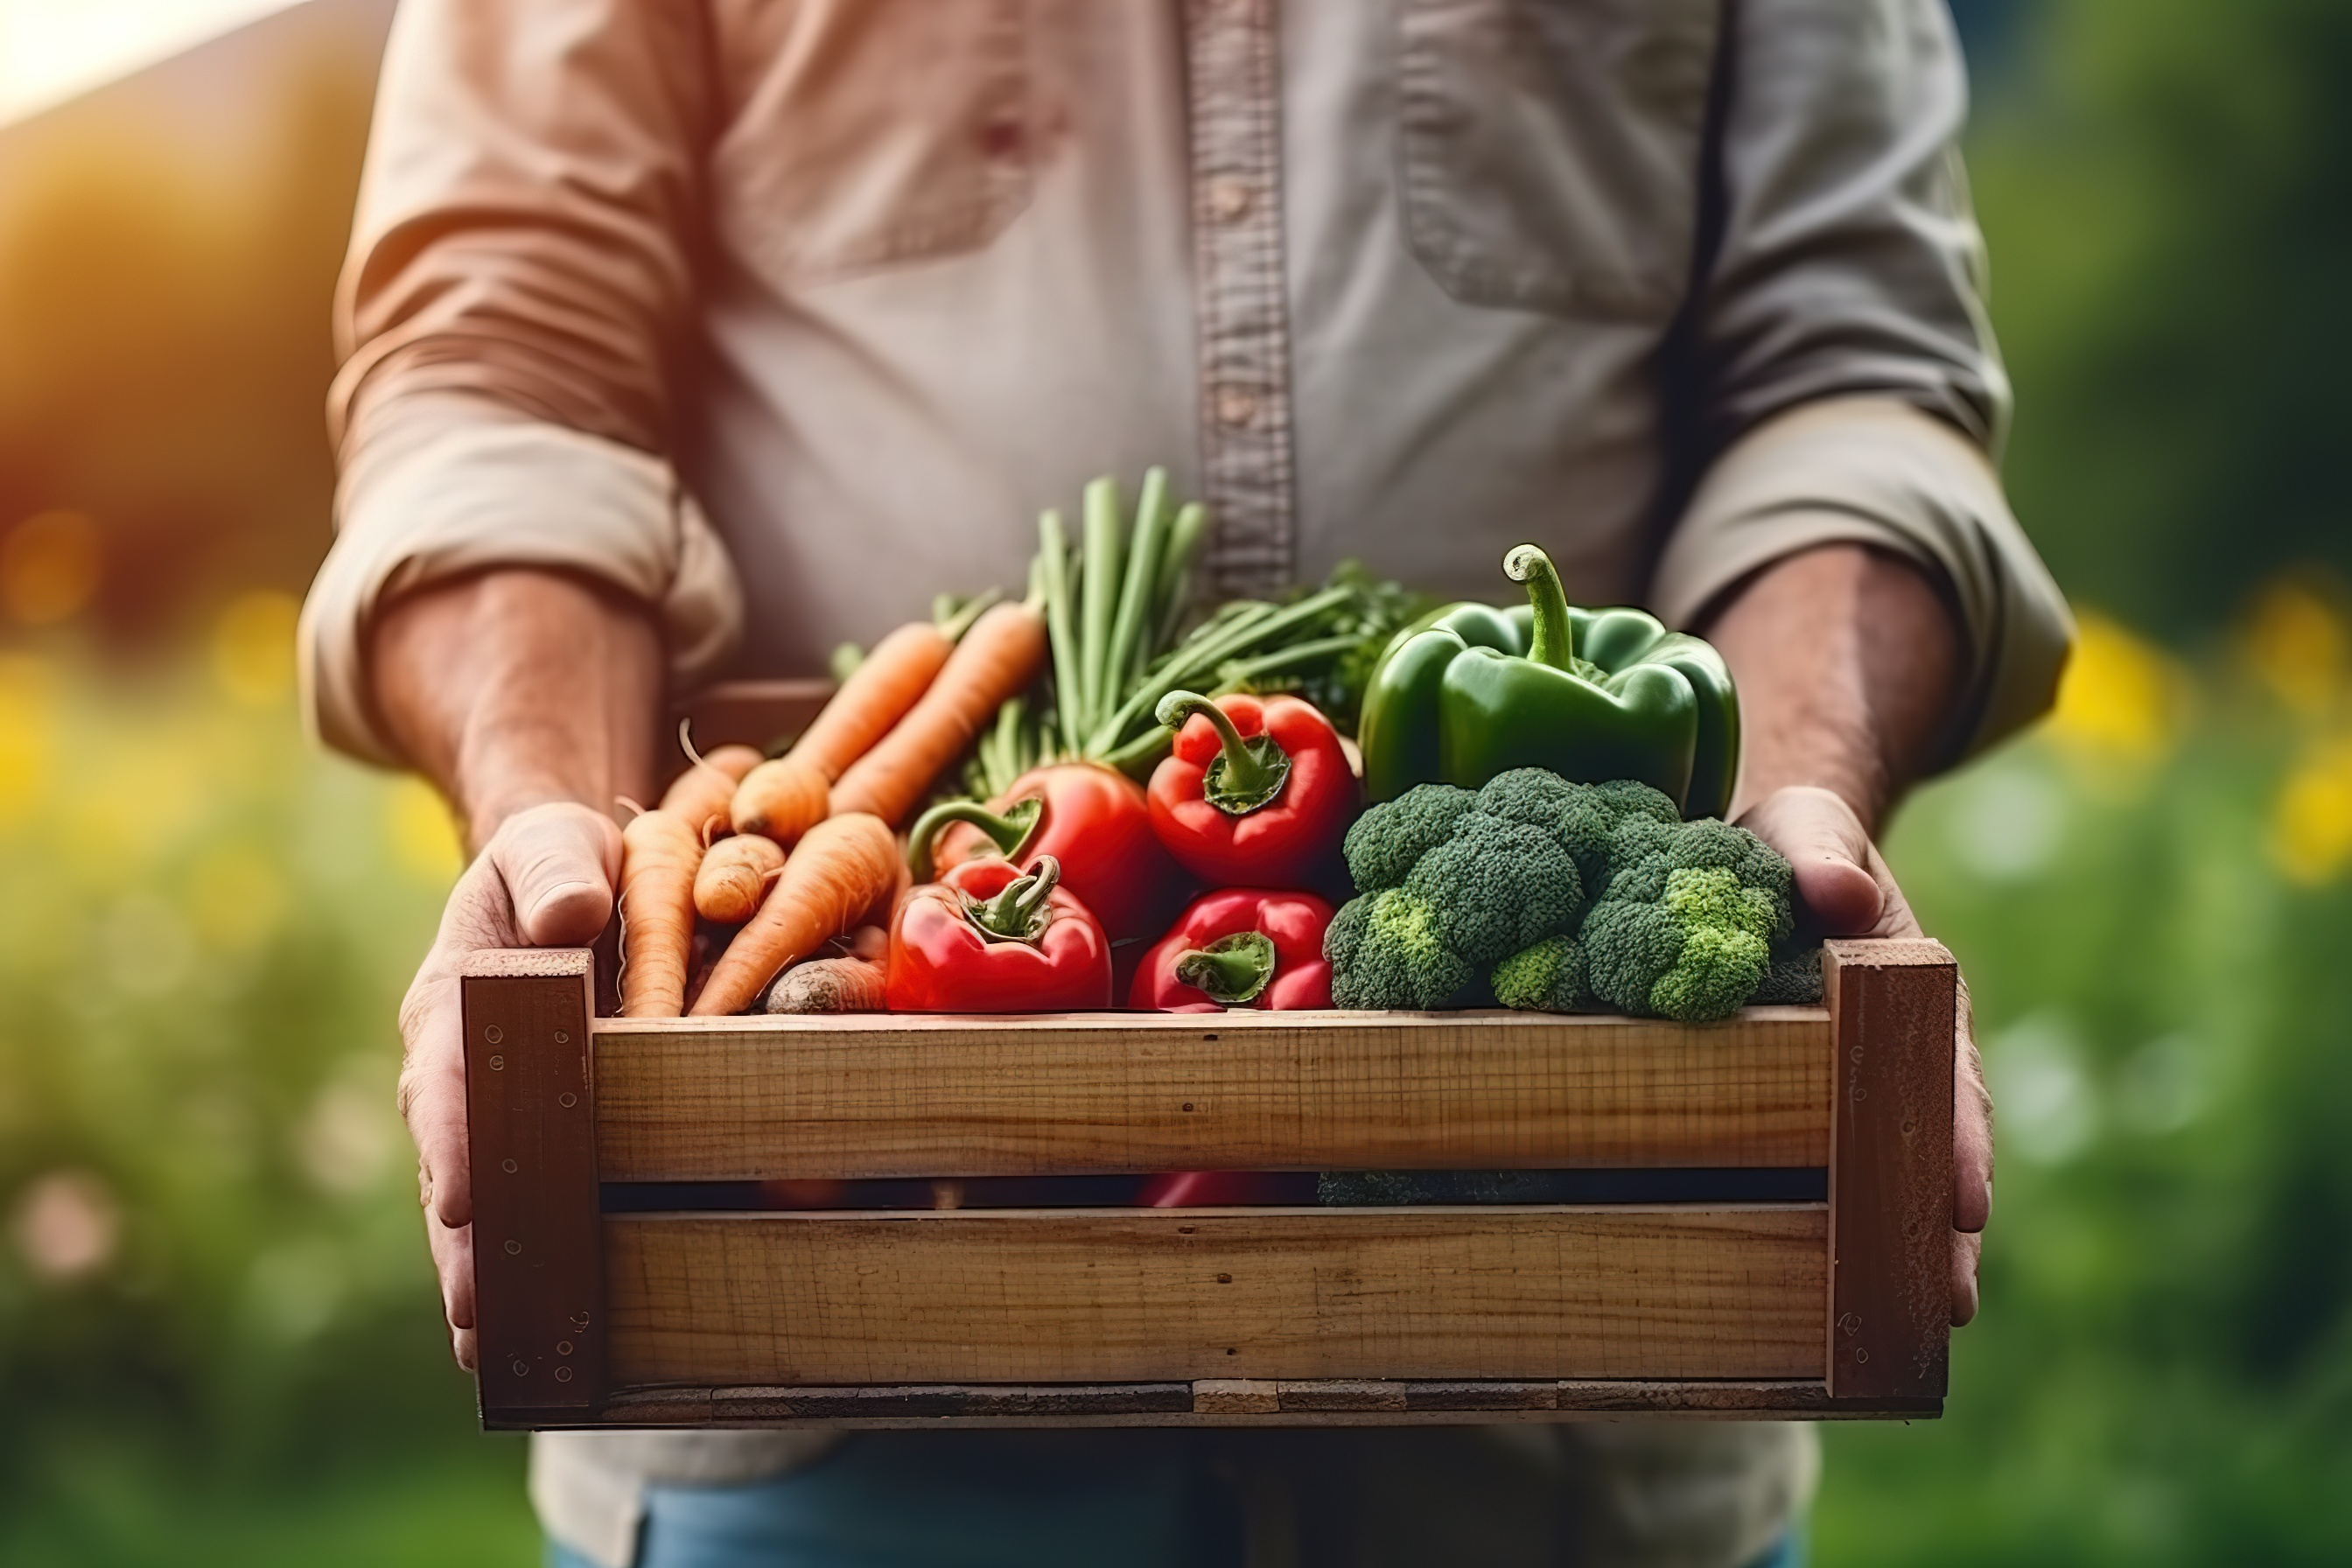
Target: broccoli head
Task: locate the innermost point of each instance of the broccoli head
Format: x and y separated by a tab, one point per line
1548	978
1383	844
1386	951
1497	886
1686	928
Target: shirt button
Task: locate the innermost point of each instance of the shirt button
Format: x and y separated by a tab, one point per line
1229	199
1235	408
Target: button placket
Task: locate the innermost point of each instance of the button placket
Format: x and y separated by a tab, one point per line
1242	303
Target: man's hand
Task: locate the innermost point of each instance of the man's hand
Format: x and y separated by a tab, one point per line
1847	890
1846	661
529	698
546	879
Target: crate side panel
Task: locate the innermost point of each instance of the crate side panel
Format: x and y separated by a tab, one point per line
1112	1296
1891	1175
747	1100
537	1274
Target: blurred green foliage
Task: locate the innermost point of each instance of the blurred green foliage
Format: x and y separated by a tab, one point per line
219	1340
2149	902
212	1274
2166	191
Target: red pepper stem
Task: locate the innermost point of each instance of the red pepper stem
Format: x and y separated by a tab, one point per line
1009	831
1250	774
1019	913
1234	970
1554	642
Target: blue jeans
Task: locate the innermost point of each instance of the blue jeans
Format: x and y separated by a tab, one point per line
1363	1499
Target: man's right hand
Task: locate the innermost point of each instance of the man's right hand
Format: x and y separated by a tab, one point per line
545	879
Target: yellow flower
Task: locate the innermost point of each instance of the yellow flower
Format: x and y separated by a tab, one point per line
422	837
2311	821
27	733
253	647
2296	642
2120	700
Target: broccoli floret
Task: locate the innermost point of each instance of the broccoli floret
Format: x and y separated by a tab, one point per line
1386	951
1497	886
1592	821
1686	926
1794	978
1383	844
1548	978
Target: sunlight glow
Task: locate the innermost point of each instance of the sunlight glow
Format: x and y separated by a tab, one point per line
52	49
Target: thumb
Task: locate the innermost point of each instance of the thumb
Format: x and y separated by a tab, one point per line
560	862
1827	846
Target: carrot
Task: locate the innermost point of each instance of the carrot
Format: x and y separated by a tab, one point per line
840	873
892	680
703	791
735	876
779	800
996	660
659	853
845	985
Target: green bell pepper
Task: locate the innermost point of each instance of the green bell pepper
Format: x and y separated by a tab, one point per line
1469	691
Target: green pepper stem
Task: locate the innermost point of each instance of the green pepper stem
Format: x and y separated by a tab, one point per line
1555	638
1252	772
1009	831
1019	913
1234	970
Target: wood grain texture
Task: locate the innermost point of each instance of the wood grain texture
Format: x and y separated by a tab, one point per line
745	1099
1894	1006
530	1111
1130	1295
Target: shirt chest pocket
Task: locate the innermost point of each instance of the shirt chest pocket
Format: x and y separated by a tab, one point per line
1550	150
859	133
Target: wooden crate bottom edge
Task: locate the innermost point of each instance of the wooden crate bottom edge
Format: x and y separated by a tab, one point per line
1214	1403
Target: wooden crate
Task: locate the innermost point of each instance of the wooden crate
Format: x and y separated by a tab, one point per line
1171	1317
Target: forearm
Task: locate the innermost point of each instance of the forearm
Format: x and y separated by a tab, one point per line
1847	662
516	688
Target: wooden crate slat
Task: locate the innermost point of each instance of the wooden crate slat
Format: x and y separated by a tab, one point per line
1140	1296
1891	1175
529	1113
1230	1402
744	1099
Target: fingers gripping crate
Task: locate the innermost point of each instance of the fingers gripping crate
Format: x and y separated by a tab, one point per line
1275	1316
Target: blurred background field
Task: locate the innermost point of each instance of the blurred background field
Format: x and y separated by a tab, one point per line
218	1338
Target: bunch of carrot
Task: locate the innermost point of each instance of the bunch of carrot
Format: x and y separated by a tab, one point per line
798	851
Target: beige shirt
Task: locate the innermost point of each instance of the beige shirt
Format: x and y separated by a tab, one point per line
783	315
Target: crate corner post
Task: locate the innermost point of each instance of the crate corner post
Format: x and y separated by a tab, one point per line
539	1306
1894	1009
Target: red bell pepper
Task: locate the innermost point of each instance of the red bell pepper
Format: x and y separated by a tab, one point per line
1236	947
1090	818
994	939
1240	947
1256	793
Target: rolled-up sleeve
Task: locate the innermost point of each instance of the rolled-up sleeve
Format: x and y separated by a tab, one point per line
512	317
1843	371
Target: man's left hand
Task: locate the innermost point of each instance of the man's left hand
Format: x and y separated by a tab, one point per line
1847	890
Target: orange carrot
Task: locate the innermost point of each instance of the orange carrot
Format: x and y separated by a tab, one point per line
892	680
703	791
832	883
735	876
845	985
996	660
779	800
658	855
